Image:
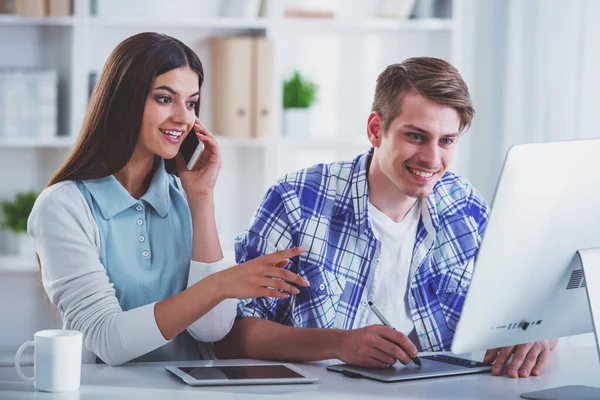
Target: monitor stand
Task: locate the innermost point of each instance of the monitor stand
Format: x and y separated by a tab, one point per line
590	263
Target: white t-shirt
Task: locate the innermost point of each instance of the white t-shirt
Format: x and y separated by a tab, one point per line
391	272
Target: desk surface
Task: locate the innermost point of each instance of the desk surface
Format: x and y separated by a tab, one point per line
567	366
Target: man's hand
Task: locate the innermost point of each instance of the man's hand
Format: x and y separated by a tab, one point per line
375	346
528	359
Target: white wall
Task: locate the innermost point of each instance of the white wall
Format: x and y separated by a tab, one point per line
25	310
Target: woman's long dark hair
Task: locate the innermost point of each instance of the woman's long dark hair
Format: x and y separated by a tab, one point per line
112	124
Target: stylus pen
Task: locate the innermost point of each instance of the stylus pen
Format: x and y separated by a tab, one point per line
387	323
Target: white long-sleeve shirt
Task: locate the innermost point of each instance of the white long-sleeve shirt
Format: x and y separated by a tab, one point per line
72	239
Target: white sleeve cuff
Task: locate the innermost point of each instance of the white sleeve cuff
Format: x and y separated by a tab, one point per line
143	321
200	270
216	323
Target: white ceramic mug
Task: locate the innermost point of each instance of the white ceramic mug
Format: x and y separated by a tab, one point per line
56	360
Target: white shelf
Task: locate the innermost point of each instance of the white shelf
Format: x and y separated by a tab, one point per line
332	141
298	142
9	263
7	358
372	24
24	142
46	21
430	24
224	141
219	22
295	142
228	142
68	142
304	24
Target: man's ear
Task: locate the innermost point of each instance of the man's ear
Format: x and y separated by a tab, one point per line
375	128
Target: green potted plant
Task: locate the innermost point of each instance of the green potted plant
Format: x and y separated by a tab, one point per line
299	94
15	214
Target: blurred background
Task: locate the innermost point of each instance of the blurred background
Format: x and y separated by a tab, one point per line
288	84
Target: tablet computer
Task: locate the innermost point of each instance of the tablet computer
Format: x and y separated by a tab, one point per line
432	366
240	374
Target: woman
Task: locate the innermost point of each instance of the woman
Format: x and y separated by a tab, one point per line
119	239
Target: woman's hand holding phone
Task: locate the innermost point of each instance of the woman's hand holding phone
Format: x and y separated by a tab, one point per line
201	179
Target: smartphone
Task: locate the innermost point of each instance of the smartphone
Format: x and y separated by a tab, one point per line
191	149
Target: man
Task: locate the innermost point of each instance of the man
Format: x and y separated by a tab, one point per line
393	227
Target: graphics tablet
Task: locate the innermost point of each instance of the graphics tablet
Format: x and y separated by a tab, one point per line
432	366
240	374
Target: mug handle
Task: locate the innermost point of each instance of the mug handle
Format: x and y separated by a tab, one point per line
18	362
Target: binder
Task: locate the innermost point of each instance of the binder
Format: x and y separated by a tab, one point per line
242	87
7	6
59	8
263	89
30	8
231	86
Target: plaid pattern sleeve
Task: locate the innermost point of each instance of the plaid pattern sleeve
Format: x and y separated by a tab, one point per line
313	208
270	231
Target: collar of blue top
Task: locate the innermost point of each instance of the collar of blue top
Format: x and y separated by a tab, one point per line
112	198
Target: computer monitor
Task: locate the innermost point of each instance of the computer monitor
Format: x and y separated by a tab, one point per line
528	283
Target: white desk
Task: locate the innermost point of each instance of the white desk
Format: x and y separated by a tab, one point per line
567	366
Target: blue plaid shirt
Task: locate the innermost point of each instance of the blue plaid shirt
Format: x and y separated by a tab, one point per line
324	208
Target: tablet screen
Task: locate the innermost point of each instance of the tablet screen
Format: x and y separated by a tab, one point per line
241	372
